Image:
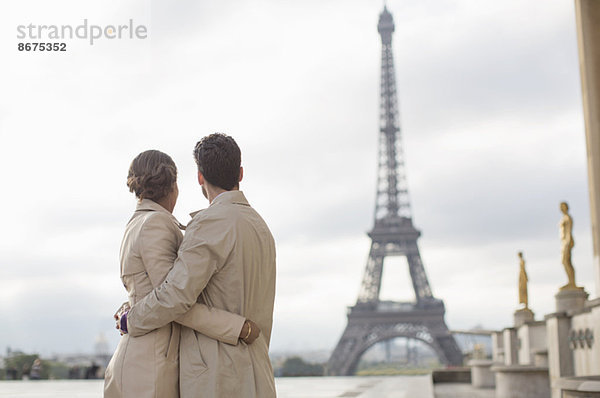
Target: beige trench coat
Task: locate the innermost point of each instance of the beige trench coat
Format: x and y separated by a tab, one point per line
227	257
148	366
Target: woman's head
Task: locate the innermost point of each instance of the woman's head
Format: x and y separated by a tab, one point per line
152	175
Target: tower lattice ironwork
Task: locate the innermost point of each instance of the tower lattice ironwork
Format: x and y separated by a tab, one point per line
372	320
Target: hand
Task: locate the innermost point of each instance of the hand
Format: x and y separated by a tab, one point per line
250	332
118	323
124	307
122	323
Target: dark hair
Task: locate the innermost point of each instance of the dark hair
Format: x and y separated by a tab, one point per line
218	158
152	175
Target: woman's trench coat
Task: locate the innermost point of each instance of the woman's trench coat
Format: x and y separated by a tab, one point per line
148	366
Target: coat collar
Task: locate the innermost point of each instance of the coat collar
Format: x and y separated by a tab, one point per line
235	197
150	205
231	197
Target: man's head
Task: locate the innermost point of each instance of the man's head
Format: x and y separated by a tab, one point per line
218	158
564	207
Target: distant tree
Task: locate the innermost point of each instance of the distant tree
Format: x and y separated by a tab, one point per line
295	366
20	363
54	370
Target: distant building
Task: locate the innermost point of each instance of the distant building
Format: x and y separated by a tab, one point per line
101	346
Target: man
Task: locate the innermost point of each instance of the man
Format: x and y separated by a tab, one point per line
226	260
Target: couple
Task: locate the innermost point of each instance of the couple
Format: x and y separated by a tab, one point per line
200	310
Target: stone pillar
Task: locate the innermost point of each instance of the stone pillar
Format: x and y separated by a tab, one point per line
523	316
570	300
560	356
481	373
520	381
511	349
587	13
497	347
532	338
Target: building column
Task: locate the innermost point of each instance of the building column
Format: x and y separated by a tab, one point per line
587	13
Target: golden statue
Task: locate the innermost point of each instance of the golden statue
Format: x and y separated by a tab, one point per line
567	243
523	298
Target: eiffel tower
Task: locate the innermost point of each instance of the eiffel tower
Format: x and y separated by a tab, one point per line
371	320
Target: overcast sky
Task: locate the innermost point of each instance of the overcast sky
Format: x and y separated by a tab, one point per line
492	128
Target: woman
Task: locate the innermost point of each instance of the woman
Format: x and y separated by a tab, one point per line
148	366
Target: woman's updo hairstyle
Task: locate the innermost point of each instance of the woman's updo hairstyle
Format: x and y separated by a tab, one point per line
152	175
